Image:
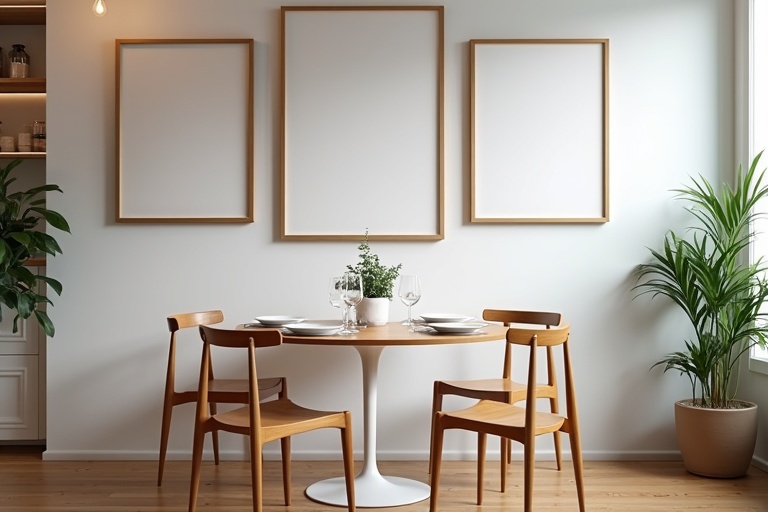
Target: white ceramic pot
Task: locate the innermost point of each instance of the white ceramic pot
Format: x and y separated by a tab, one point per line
373	311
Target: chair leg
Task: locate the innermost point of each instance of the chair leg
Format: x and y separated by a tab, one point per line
285	453
529	451
556	435
436	451
197	462
349	461
165	430
481	442
578	468
437	405
504	455
256	474
214	435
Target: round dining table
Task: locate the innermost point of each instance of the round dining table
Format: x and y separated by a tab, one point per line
372	489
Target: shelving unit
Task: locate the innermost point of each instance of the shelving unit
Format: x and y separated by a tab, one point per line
22	354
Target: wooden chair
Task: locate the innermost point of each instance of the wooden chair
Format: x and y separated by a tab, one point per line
521	424
261	421
220	390
505	389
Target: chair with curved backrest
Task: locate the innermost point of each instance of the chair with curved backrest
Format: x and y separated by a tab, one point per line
261	421
220	390
521	424
505	389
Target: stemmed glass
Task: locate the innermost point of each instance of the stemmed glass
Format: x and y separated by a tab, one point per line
410	293
334	295
351	294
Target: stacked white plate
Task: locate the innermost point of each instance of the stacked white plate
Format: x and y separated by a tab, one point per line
278	321
445	318
456	327
314	328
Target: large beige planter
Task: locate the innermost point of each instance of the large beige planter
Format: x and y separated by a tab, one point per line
716	443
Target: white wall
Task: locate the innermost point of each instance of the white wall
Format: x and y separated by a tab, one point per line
671	115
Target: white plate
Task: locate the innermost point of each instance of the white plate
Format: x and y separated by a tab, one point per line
457	327
278	321
445	318
314	328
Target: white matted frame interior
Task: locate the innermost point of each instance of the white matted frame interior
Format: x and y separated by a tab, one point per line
362	141
539	130
184	130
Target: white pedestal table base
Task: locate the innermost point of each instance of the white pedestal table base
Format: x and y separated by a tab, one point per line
371	488
378	491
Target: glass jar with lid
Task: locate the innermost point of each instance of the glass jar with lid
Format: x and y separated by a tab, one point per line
38	137
18	62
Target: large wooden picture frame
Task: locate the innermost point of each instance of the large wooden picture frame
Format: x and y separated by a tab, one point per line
362	121
539	130
184	130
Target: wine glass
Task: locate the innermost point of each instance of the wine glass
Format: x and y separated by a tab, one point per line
410	293
351	295
334	295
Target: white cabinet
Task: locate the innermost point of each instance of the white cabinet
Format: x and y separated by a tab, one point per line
21	394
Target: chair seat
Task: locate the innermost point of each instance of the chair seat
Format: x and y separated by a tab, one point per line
486	385
490	413
280	418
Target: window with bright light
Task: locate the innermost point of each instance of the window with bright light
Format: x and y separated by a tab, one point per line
758	106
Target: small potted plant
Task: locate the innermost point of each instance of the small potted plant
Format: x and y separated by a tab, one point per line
378	283
21	239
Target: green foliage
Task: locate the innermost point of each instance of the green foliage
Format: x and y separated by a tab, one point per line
20	213
378	280
710	278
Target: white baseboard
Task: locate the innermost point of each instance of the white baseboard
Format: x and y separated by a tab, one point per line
382	455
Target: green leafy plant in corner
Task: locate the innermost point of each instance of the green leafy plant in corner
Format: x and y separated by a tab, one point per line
378	280
710	278
20	214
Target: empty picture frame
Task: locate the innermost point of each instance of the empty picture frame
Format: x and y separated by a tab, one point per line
184	115
539	130
362	121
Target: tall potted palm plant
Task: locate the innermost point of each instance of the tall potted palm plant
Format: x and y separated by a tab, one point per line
709	276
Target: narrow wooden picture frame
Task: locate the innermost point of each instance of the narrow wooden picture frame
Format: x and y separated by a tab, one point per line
362	123
539	131
184	131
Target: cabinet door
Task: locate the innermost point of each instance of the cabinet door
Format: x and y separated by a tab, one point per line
19	398
27	338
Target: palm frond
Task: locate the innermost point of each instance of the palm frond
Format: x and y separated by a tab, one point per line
707	277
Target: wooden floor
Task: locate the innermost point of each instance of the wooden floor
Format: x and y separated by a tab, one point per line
29	484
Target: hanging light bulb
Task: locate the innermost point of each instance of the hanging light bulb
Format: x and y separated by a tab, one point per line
99	8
